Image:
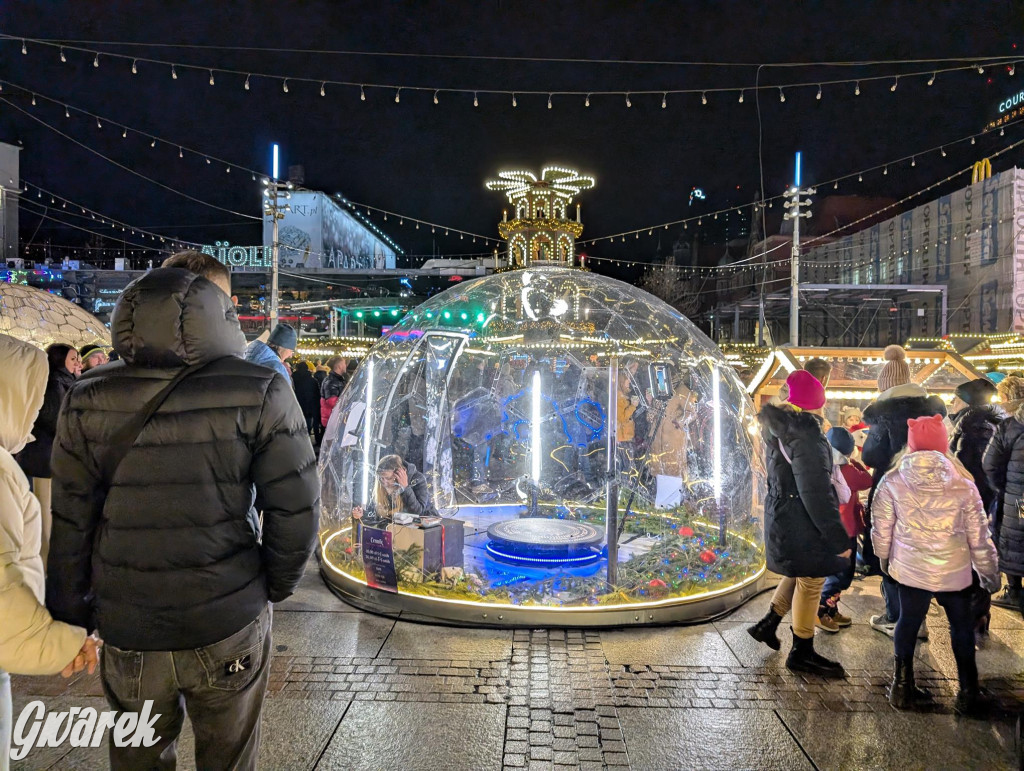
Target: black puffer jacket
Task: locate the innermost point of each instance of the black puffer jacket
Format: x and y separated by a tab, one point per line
35	458
307	391
887	418
1004	466
973	428
803	532
169	558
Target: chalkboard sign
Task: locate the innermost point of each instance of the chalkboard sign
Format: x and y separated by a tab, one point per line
379	560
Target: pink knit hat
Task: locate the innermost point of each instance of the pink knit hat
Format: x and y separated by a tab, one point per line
805	390
927	434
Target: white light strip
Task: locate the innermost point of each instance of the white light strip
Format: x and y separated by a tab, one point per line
367	430
535	447
716	391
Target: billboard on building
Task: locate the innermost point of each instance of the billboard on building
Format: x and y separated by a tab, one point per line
318	233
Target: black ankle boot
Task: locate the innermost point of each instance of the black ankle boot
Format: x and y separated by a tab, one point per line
803	658
903	692
765	629
968	700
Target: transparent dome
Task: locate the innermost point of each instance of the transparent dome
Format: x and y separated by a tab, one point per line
41	318
569	443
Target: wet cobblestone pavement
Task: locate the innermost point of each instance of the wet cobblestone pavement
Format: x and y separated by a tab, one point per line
352	690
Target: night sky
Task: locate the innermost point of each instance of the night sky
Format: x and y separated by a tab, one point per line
430	161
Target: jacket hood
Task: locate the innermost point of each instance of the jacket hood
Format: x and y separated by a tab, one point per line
973	416
22	386
899	407
171	318
927	470
902	391
780	422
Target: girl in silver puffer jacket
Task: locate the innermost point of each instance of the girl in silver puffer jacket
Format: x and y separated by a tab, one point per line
929	532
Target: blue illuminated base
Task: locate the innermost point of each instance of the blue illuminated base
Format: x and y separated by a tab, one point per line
540	542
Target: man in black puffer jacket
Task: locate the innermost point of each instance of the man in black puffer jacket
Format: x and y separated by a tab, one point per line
899	400
973	427
169	564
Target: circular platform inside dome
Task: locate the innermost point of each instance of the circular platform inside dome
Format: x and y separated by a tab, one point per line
544	541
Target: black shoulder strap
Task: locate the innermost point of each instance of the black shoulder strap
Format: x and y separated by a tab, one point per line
125	437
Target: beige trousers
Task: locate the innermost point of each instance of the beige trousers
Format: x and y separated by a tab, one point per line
43	488
803	596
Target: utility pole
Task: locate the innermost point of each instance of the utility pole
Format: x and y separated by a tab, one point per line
794	204
275	193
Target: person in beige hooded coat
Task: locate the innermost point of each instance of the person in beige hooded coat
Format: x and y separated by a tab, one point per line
31	642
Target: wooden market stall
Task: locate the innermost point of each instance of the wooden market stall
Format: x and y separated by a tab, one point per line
853	382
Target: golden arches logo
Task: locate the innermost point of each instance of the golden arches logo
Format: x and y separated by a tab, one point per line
982	170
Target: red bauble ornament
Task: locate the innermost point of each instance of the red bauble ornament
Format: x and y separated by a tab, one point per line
686	532
657	583
707	556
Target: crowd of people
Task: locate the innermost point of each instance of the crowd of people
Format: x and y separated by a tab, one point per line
185	458
942	517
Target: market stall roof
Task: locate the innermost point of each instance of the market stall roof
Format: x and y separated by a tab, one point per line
855	371
985	352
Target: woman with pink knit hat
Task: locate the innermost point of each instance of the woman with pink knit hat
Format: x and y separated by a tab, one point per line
805	540
930	532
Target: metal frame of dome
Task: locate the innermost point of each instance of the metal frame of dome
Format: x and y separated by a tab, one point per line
41	318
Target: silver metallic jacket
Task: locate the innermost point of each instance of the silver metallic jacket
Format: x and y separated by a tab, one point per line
928	521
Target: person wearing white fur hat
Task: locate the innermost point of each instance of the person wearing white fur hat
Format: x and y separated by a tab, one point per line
899	400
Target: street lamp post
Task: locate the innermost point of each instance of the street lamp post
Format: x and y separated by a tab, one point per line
795	204
274	193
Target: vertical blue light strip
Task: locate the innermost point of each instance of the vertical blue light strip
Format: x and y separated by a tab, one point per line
797	168
277	151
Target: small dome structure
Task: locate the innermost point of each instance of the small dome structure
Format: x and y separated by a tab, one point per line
591	457
42	318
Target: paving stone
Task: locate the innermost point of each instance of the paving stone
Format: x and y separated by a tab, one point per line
334	634
713	739
454	736
674	645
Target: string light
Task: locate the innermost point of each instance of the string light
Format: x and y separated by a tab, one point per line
741	97
174	73
96	61
124	134
63	58
514	104
664	101
782	95
24	50
284	85
153	143
628	103
435	99
1013	68
246	86
33	100
211	77
362	94
835	186
323	89
181	153
931	80
943	151
895	83
703	97
856	89
586	102
135	67
913	161
818	97
972	140
98	124
981	70
549	101
67	112
476	102
885	170
860	177
398	96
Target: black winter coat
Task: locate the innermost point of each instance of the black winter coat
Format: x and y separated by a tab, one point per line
887	431
35	458
169	558
307	392
1004	466
973	428
803	532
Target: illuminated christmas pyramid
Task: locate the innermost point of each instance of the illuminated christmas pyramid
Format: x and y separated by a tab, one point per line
541	232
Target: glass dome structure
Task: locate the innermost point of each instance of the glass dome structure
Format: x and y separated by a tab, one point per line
42	318
573	452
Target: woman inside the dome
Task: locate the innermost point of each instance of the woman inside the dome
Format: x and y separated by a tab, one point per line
399	487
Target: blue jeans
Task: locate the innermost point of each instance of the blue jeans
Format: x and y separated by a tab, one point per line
838	583
890	592
222	685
